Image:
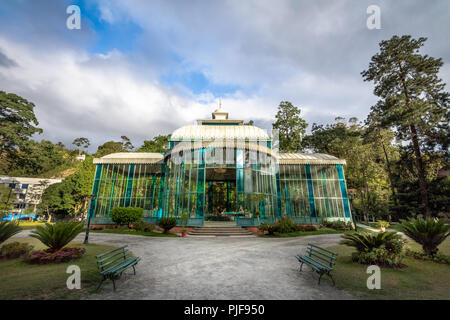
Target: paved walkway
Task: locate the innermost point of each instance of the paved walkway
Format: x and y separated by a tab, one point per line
217	268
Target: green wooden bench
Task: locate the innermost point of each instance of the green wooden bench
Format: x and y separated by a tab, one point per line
114	262
319	259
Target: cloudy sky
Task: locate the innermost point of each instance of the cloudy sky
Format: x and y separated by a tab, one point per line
145	67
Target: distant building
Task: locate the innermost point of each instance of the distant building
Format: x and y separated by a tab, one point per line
26	192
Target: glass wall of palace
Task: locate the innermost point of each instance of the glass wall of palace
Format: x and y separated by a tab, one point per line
253	187
313	192
126	185
250	173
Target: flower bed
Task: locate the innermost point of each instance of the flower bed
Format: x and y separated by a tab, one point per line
49	256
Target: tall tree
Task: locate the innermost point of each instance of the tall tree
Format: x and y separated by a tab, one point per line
157	144
71	196
81	143
17	121
126	143
412	97
383	138
6	198
108	148
291	127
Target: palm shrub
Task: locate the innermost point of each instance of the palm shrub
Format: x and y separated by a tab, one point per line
430	233
7	230
167	223
366	242
58	235
383	248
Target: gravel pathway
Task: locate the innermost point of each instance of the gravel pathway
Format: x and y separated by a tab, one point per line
218	268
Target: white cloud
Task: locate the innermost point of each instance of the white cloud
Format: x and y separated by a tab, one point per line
309	53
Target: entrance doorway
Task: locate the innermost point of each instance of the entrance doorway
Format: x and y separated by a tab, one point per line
220	194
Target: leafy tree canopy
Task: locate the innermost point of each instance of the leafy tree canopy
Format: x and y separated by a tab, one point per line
412	100
81	143
291	127
17	121
157	144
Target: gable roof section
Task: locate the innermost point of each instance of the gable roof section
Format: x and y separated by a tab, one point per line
130	157
305	158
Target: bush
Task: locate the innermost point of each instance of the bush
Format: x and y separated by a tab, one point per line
430	233
286	225
7	230
56	236
15	250
383	248
438	258
49	256
380	257
269	227
306	227
338	225
143	226
126	215
167	223
383	224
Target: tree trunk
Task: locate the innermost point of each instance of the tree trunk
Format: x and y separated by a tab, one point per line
416	147
421	171
388	166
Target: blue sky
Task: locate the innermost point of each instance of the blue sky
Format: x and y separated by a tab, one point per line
108	36
141	68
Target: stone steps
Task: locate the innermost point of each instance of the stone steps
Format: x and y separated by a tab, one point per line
231	231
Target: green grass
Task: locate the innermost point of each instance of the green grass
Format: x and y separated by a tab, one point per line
26	225
396	227
19	280
136	233
419	280
302	233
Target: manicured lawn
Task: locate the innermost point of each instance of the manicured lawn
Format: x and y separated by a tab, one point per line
26	225
19	280
419	280
136	233
302	233
396	226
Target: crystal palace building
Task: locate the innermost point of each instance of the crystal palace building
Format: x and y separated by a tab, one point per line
221	170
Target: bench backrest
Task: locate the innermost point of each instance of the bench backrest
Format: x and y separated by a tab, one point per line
111	258
321	254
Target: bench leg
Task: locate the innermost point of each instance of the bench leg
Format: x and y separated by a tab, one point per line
301	266
334	284
320	277
100	283
114	283
134	270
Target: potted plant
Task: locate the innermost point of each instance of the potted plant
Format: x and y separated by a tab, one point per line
184	220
